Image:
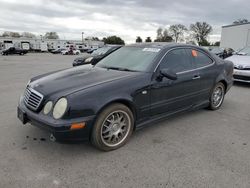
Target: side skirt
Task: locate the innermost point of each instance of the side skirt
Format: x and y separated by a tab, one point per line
162	117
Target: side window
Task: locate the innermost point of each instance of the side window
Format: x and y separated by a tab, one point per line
200	59
177	60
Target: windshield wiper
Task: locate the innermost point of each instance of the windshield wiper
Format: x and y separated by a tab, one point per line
120	69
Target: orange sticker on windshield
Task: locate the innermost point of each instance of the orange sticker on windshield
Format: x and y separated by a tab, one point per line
194	53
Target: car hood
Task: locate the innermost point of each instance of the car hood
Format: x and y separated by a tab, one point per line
240	60
75	79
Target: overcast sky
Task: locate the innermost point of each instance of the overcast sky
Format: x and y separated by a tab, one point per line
125	18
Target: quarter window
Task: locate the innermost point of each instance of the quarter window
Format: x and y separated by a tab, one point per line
177	60
200	59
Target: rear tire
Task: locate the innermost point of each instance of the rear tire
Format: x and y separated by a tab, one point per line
113	127
217	96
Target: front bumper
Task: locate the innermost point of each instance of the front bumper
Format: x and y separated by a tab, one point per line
59	128
241	75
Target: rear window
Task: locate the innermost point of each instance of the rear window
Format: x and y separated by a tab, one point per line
200	59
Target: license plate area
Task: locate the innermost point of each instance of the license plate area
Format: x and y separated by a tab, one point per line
22	116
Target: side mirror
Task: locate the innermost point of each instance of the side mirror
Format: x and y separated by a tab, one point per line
168	74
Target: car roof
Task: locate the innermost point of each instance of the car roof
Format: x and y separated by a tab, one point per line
161	45
112	45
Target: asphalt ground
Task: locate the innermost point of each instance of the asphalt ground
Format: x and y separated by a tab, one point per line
196	149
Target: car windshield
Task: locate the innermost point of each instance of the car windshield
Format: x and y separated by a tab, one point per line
216	50
101	51
130	59
244	51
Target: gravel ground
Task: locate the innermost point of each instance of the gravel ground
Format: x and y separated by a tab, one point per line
198	149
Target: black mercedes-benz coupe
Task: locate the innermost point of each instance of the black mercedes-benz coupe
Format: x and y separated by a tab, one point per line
14	50
134	86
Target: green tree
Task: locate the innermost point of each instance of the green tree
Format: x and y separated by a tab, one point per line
205	43
148	39
138	39
177	32
51	35
95	38
200	31
217	43
159	33
6	34
240	21
113	40
11	34
28	35
163	36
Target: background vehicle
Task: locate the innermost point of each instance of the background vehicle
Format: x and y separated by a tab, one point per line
14	50
70	52
43	46
134	86
92	49
58	51
222	52
96	56
241	60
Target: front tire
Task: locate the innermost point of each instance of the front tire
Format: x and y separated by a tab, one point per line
113	127
217	96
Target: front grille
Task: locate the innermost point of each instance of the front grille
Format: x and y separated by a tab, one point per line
32	98
239	77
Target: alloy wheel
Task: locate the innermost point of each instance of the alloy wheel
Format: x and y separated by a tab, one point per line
115	128
217	96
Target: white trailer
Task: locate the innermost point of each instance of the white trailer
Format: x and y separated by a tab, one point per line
43	46
40	44
25	45
235	36
8	44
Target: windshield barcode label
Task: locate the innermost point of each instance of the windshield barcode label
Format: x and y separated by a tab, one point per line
151	49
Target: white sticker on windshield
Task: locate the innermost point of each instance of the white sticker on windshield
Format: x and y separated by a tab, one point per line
151	49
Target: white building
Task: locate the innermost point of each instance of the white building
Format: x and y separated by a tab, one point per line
235	36
36	44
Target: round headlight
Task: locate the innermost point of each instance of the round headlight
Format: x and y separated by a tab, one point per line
60	108
47	108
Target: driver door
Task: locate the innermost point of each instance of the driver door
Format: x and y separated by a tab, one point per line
169	96
12	50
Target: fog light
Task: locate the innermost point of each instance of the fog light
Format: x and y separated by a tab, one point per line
47	108
75	126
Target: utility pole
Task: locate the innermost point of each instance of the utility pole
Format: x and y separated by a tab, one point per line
82	36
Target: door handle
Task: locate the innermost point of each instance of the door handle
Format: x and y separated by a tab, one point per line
196	77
